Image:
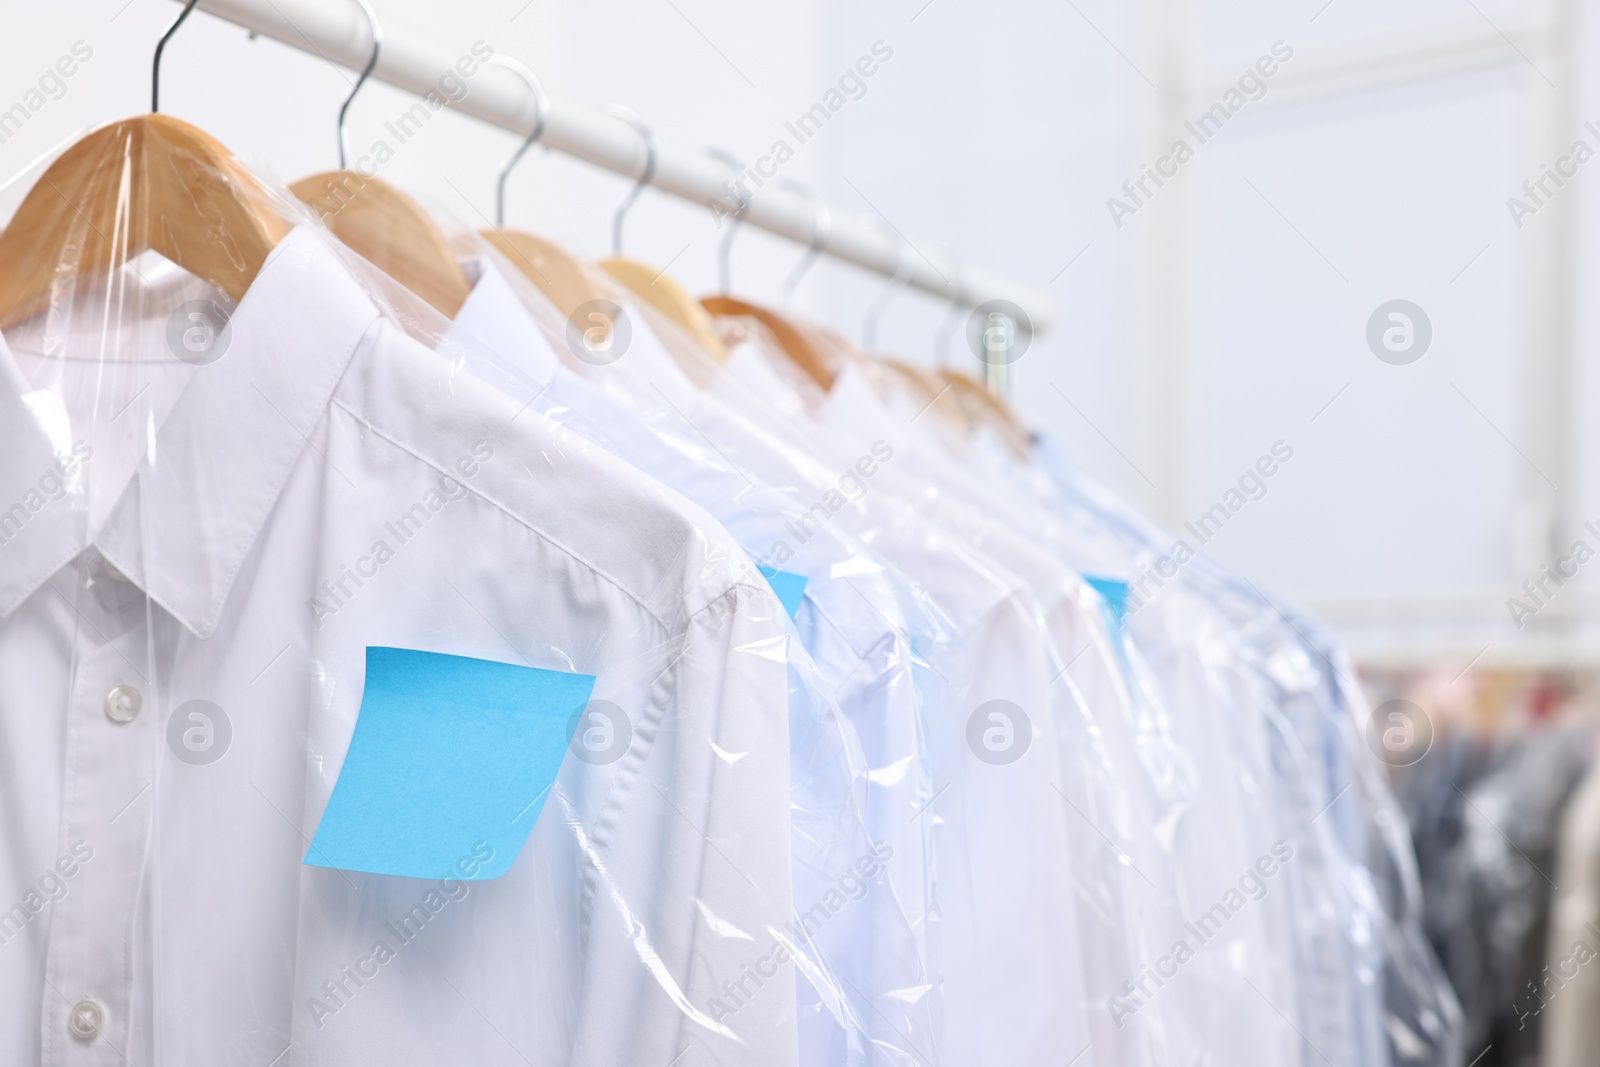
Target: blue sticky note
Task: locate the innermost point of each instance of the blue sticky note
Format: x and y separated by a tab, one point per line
789	587
1114	593
449	765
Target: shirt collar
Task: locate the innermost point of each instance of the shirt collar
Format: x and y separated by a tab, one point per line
494	319
504	344
212	471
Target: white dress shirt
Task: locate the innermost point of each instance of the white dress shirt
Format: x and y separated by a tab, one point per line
1002	918
206	514
873	989
1198	821
1006	918
1146	860
1126	884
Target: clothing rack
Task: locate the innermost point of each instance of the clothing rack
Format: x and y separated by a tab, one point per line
340	33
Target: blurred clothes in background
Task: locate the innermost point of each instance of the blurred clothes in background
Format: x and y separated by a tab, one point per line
1503	810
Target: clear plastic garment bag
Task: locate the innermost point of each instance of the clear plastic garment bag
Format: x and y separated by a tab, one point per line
355	712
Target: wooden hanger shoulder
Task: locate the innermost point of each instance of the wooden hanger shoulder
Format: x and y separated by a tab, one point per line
151	182
926	389
560	275
985	407
798	342
669	298
391	231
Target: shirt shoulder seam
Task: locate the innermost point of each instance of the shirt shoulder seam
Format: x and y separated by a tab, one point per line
523	520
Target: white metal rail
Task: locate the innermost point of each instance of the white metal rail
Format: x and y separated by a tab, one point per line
339	32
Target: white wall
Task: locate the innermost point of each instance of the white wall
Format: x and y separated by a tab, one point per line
1219	319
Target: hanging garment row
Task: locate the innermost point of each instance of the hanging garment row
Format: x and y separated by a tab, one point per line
421	646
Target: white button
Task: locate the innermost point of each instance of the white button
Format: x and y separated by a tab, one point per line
86	1020
123	703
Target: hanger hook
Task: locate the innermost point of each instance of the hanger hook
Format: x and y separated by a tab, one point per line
725	249
821	231
902	275
631	117
372	61
155	66
541	115
958	302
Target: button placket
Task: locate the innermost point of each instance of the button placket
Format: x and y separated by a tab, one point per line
94	952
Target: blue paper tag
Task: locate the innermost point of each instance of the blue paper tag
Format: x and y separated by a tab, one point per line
449	765
789	587
1115	594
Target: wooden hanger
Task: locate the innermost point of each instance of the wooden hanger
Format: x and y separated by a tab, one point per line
391	231
926	389
557	273
560	275
985	407
798	341
151	182
645	282
668	297
814	348
380	223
